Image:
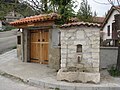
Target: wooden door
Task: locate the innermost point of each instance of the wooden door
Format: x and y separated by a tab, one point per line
44	46
39	46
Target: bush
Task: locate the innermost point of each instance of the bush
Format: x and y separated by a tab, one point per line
57	89
113	71
14	47
8	28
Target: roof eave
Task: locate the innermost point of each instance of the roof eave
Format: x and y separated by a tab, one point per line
107	17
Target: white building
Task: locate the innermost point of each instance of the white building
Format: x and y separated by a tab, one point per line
108	30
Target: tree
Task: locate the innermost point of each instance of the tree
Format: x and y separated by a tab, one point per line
95	14
39	6
62	7
117	27
85	13
114	4
7	6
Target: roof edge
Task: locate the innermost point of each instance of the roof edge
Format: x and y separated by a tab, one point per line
107	16
81	24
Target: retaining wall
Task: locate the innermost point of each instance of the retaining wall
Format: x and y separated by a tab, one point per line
108	56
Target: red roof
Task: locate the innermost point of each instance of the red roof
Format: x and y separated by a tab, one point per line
81	24
37	18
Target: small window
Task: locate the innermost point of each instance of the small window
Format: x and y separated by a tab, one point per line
108	30
79	48
18	39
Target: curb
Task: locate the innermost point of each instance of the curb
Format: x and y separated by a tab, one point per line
7	75
66	87
51	85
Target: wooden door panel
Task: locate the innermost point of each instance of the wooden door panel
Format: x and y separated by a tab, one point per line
45	36
39	46
45	42
45	53
34	52
34	36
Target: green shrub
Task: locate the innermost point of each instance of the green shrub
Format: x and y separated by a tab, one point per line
113	71
8	28
14	47
57	89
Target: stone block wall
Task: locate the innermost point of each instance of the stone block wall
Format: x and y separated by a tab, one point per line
86	61
108	56
54	53
19	47
89	39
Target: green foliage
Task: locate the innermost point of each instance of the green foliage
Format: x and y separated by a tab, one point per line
65	9
57	88
14	47
8	28
7	6
24	10
114	72
62	7
85	13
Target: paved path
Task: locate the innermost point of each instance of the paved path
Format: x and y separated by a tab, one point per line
8	84
43	76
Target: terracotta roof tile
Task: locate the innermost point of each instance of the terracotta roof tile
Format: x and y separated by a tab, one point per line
80	24
36	18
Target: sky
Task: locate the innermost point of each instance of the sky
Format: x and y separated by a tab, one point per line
95	5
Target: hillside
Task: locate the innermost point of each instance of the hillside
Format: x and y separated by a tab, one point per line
14	5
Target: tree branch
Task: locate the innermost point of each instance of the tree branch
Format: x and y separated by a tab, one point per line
113	5
31	6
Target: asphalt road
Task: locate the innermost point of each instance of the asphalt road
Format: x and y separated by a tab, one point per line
8	40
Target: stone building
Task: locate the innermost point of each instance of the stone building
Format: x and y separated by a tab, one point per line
80	52
72	49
